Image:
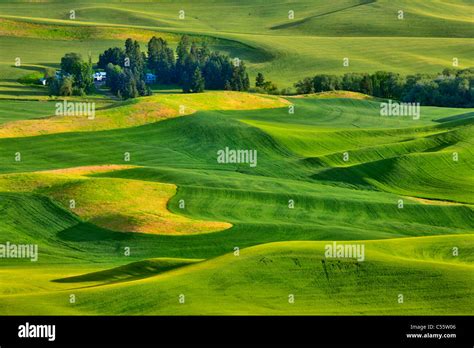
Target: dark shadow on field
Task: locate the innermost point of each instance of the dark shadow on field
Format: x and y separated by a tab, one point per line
50	65
132	271
29	68
165	89
36	67
23	93
12	80
465	116
87	232
304	20
23	87
13	87
357	174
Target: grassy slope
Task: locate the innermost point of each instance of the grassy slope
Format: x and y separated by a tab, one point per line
116	204
260	280
303	141
182	151
299	157
17	110
140	111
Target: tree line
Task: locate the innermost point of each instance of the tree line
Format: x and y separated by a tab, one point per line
452	87
194	68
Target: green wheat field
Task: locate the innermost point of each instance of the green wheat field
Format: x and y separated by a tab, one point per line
173	232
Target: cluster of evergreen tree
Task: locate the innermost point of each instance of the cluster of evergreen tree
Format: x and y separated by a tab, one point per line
194	68
197	68
452	87
161	60
126	70
76	77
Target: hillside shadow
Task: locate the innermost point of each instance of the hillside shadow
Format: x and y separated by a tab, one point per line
133	271
87	232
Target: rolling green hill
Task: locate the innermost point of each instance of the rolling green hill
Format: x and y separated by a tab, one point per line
262	279
156	216
334	200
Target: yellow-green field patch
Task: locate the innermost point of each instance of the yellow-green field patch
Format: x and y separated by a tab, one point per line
141	111
117	204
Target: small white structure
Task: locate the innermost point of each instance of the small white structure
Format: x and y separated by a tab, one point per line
42	81
150	78
99	76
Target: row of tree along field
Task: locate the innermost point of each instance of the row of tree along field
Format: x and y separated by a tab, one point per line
452	87
194	68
